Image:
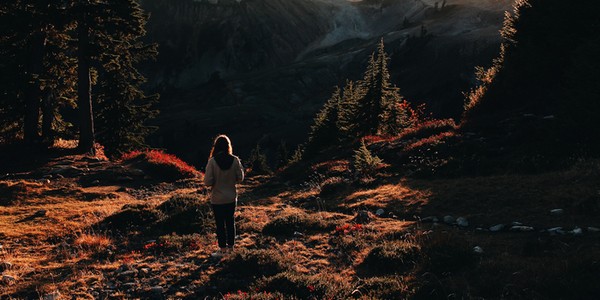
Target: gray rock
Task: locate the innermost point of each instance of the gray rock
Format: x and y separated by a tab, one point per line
593	229
362	217
96	182
8	280
157	289
296	233
52	296
577	231
129	285
478	250
379	212
516	224
127	274
462	222
137	172
431	219
522	228
557	212
5	265
556	230
449	220
497	228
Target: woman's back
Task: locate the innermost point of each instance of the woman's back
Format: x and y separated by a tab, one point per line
223	171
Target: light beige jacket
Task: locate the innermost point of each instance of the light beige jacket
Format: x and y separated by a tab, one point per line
223	181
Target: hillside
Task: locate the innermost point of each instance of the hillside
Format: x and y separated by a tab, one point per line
318	236
235	65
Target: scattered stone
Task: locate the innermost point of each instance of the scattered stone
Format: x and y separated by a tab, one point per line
362	217
449	220
557	212
577	231
462	222
379	212
550	117
96	182
516	224
127	274
137	173
8	280
497	228
5	265
522	228
39	213
124	179
478	250
49	176
145	271
556	230
129	285
431	219
52	296
296	233
593	229
157	289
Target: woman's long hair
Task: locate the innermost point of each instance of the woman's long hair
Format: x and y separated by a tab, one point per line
221	144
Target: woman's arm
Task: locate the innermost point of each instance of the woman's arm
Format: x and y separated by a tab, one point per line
239	171
209	178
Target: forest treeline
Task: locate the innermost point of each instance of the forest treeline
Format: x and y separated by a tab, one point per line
69	70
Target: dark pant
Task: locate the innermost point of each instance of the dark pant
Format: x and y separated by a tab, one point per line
225	224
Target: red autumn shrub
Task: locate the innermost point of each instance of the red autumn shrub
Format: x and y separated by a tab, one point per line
161	165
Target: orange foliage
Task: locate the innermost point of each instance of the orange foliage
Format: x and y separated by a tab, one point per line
432	140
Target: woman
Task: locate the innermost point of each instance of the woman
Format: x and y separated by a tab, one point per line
223	171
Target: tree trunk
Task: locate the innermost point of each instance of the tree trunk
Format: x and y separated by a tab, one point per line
84	90
32	94
48	116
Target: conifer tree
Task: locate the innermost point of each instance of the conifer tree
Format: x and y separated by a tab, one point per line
122	108
325	129
348	109
377	107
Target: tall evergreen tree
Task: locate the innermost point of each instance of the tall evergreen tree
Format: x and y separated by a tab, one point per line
32	44
122	107
377	107
325	129
348	109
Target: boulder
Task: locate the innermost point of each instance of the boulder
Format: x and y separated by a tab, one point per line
497	228
52	296
430	219
522	228
8	279
462	222
5	265
449	220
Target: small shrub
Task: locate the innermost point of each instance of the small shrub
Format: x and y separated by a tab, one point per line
130	217
392	257
175	243
320	286
446	252
93	242
258	162
301	222
185	214
161	165
332	186
365	162
256	262
386	287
